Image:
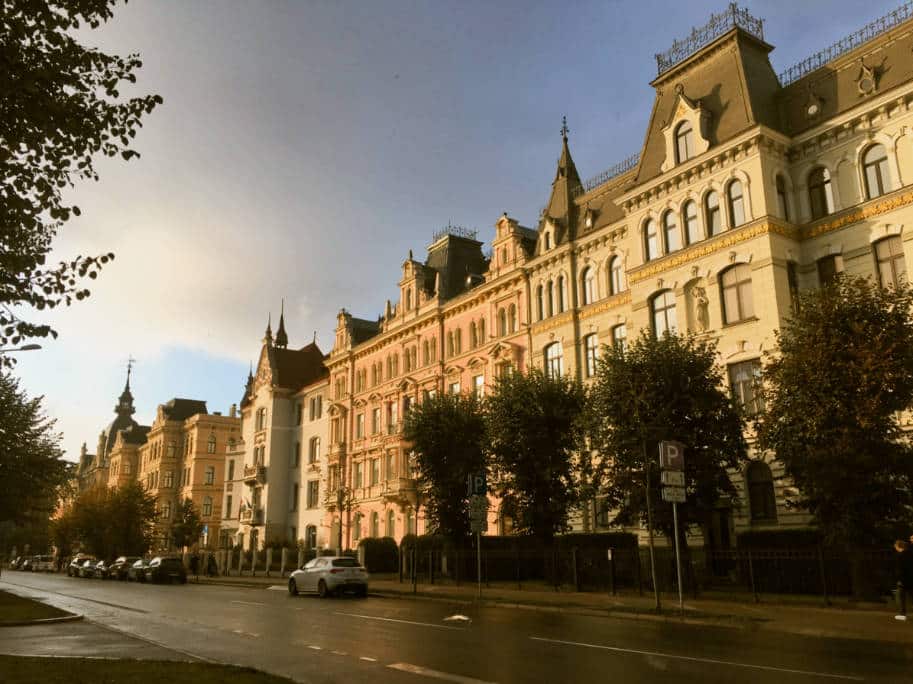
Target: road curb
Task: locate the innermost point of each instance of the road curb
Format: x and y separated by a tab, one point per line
44	621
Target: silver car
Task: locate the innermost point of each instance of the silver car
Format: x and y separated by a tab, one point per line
328	575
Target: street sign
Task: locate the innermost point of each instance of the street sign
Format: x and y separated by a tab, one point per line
673	478
478	526
478	506
476	485
674	494
671	455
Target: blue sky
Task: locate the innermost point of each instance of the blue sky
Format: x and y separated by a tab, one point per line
304	148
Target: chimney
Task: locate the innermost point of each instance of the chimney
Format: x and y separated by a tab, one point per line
233	411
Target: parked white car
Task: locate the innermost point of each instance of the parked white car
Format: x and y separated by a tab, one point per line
44	564
328	575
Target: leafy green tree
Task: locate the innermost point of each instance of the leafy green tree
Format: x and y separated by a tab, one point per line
664	389
132	515
60	106
32	469
92	521
447	434
834	391
187	527
535	437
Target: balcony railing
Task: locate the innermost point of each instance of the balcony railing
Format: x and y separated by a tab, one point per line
254	474
393	428
252	516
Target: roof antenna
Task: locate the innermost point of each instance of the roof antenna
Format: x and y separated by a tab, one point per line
314	340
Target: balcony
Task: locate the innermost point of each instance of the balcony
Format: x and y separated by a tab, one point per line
337	452
252	516
399	489
254	475
393	428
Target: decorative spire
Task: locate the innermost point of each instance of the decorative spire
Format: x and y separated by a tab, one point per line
268	335
125	401
281	336
564	129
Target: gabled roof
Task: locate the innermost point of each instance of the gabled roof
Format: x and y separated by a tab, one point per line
295	368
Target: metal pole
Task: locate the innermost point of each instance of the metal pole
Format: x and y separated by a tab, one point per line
647	464
479	560
678	559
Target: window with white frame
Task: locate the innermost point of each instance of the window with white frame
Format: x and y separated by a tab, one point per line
591	349
735	290
744	379
554	360
211	445
889	257
662	309
588	283
736	204
684	142
820	193
692	226
313	493
616	276
314	450
209	476
478	386
875	171
671	233
620	337
651	240
713	219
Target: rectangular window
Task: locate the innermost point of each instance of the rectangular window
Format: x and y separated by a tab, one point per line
892	268
392	417
620	337
375	471
316	408
743	380
299	413
407	405
827	270
390	465
359	426
454	388
359	475
375	421
296	455
313	493
478	386
792	280
228	506
231	470
592	354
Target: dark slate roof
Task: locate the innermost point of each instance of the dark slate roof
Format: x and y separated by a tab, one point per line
182	409
122	422
455	257
363	329
295	368
737	86
136	434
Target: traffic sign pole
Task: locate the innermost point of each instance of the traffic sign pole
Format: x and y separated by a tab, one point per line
479	561
678	559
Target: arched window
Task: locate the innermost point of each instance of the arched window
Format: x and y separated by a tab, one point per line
375	524
540	303
735	288
651	240
892	267
391	523
512	318
875	170
762	501
473	335
692	229
662	313
616	276
670	232
684	142
620	337
782	202
551	298
712	218
591	349
588	286
554	360
820	194
210	475
502	322
207	506
482	338
211	445
736	204
560	294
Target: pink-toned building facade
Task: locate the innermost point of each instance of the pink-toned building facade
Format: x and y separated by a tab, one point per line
461	320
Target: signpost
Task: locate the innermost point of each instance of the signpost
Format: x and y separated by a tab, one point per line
477	490
672	462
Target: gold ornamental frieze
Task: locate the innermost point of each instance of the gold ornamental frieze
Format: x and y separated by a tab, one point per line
553	322
621	299
860	214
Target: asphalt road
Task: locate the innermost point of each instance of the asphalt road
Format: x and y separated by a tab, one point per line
398	640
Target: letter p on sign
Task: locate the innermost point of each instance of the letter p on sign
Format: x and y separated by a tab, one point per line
671	455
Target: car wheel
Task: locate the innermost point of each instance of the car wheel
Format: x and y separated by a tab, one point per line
322	589
292	587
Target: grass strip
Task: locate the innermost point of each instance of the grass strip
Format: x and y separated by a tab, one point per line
29	669
18	609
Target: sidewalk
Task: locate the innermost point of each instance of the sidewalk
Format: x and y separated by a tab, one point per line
795	615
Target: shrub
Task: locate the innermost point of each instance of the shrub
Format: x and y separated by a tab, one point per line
379	554
795	539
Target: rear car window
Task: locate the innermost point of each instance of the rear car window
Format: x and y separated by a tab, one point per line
345	563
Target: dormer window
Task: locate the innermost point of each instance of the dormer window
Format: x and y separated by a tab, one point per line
408	300
684	142
548	241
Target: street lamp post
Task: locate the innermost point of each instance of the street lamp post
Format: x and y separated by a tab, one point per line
415	473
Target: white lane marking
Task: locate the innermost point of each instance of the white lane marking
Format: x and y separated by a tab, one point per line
249	603
446	676
366	658
277	587
316	648
339	653
712	661
403	622
458	618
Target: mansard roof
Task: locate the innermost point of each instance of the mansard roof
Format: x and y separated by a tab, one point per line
182	409
295	368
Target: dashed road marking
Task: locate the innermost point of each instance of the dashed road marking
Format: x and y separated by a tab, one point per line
437	674
402	622
367	659
342	653
712	661
249	603
316	648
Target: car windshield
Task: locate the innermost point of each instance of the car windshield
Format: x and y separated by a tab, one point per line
345	563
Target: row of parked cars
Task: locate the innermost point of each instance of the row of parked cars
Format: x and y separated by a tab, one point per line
167	569
33	563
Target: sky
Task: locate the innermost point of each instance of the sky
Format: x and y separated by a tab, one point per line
303	148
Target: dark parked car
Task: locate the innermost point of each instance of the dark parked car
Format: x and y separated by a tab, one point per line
26	564
76	563
137	571
87	567
14	564
120	568
166	569
102	569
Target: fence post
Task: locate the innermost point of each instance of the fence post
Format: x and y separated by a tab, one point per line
283	557
431	566
640	580
413	568
228	559
402	563
458	566
575	553
821	567
517	556
240	562
611	553
754	589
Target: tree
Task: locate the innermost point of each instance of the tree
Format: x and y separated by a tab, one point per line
32	469
60	106
187	527
132	514
535	438
664	389
833	392
447	434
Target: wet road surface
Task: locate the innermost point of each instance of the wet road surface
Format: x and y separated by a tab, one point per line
396	640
